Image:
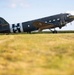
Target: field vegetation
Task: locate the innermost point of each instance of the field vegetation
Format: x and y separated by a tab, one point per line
37	54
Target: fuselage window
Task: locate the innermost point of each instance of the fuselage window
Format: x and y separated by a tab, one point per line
45	21
53	19
49	20
58	19
28	25
68	15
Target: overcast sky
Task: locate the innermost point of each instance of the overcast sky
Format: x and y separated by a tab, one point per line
23	10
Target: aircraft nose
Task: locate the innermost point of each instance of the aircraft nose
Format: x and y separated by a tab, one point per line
71	17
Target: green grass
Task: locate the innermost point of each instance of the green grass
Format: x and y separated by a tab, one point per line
37	54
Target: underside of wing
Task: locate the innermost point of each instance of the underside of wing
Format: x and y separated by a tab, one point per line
42	25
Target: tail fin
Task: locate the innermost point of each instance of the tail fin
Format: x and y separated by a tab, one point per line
4	26
3	22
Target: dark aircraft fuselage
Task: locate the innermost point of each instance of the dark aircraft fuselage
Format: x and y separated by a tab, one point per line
49	22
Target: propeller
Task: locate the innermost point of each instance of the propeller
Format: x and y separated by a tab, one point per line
71	23
71	17
62	22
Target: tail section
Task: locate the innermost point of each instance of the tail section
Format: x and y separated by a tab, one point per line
2	21
4	26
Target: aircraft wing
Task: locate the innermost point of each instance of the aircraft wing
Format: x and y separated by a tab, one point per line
42	25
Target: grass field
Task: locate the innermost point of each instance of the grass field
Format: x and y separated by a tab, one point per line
37	54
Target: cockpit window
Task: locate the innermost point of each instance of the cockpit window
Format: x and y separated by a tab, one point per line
68	15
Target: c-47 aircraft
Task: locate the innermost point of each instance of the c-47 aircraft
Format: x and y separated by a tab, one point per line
50	22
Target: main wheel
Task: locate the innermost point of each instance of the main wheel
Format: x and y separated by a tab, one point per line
55	31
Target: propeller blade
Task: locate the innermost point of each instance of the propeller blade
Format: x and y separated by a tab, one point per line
71	23
72	17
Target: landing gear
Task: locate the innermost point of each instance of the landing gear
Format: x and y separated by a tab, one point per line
29	32
54	31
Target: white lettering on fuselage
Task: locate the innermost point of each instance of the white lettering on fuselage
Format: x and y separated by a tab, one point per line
16	28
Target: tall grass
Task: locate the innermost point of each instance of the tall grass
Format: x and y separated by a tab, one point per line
37	54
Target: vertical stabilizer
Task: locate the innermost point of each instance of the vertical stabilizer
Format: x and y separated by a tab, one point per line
3	21
4	26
